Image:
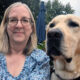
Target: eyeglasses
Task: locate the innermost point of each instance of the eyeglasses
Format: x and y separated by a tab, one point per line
24	21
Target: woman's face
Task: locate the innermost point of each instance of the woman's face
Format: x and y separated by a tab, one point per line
19	27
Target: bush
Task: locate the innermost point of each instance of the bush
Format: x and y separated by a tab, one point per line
41	45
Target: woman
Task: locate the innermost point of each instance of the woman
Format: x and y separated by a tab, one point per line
19	58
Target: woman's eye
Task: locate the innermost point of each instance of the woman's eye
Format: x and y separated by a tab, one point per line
12	20
25	20
73	24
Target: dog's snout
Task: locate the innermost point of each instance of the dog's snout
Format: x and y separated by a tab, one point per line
56	33
54	42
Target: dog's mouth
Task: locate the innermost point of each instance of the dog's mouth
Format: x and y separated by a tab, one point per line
55	52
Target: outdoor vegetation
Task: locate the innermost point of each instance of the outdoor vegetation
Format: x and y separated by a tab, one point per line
52	9
56	8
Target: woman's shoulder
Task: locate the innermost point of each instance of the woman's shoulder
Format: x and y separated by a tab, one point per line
1	56
39	55
1	59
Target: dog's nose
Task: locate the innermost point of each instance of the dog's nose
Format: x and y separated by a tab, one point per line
54	38
69	60
56	34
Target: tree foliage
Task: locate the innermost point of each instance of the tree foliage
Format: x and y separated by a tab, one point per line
56	8
48	11
34	6
68	9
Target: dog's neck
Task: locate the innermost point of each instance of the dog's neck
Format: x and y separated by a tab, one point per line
74	76
78	78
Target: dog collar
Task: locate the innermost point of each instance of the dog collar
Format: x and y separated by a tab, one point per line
53	70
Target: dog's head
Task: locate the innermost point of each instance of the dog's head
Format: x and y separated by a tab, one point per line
63	38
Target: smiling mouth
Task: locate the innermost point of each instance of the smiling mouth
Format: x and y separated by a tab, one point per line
18	32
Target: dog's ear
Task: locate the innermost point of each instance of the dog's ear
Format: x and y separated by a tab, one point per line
78	48
47	29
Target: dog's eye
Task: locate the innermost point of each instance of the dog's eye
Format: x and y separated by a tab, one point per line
52	25
73	24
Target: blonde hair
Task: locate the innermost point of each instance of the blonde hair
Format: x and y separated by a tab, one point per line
4	39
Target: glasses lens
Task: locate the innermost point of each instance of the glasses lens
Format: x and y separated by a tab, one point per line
12	21
26	21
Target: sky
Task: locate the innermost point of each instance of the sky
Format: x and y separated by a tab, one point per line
75	4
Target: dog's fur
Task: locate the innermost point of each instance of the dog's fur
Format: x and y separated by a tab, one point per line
63	45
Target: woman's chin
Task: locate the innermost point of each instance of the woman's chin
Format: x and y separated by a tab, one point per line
19	40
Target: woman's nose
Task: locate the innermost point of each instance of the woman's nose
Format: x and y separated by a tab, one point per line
19	24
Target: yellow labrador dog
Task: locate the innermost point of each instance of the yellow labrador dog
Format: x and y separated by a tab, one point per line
63	45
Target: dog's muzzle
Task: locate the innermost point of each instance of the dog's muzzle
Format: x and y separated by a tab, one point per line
54	38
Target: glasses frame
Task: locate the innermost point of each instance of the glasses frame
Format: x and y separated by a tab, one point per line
23	21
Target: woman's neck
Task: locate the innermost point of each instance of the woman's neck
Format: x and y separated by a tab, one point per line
17	48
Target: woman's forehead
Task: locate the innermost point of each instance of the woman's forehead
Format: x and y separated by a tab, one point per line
19	10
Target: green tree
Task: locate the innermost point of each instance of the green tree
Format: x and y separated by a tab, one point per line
48	11
68	9
34	6
56	8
